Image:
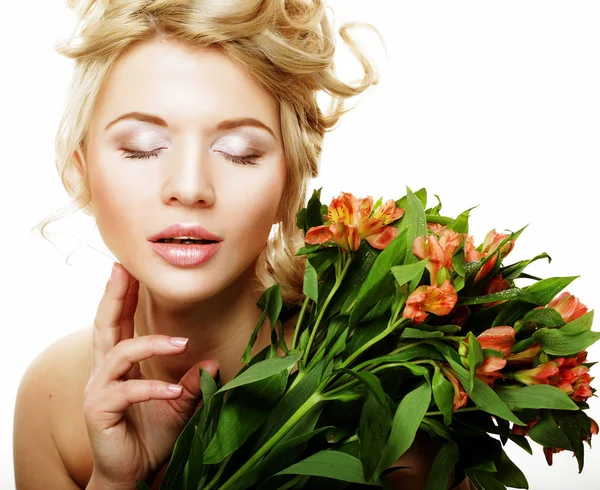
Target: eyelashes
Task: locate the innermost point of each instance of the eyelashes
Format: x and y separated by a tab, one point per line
142	155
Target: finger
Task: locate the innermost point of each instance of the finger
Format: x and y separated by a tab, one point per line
187	404
107	321
131	302
105	407
119	361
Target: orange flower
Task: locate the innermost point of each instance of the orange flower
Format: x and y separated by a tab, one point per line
498	338
349	219
438	251
460	395
438	300
471	253
525	357
490	246
495	285
573	377
538	375
569	307
523	430
489	370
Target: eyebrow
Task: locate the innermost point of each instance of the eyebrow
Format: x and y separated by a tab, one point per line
223	125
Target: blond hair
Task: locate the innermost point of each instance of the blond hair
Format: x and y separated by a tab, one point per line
286	46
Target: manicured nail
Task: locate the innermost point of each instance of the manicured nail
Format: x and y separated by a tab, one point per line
179	341
175	388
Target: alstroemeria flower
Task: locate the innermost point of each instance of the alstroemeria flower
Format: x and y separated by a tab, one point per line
573	377
523	430
489	370
569	307
498	338
439	251
471	253
348	220
490	247
460	395
438	300
538	375
495	285
526	356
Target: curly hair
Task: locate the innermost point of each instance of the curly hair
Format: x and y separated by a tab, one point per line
286	46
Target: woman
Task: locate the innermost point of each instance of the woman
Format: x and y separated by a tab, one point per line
186	121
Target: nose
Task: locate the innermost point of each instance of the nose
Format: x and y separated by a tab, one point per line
188	179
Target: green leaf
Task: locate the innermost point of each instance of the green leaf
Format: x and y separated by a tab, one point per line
408	416
520	441
406	273
173	477
512	293
413	223
544	316
374	425
545	290
443	464
142	486
310	285
415	333
483	396
270	303
329	464
514	271
323	258
291	401
579	325
262	370
379	282
535	396
243	413
548	434
484	480
577	426
313	215
556	343
443	394
510	474
458	263
461	223
475	358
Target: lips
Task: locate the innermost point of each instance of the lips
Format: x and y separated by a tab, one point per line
185	230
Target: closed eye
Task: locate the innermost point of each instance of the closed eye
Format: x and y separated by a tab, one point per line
245	160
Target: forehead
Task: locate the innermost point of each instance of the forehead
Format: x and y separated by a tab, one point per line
187	86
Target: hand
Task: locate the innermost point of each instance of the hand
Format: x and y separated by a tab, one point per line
131	440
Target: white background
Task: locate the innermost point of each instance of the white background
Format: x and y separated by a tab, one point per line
484	103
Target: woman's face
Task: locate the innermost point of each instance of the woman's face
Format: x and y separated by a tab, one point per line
185	174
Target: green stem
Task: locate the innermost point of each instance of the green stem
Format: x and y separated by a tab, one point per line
335	287
443	220
214	481
299	322
468	409
285	428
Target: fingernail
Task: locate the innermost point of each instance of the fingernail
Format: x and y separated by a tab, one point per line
114	270
179	341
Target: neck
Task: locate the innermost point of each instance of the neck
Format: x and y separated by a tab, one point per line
218	328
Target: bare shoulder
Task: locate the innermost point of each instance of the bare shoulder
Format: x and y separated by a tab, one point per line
53	386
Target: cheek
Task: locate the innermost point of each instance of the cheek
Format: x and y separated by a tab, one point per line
255	205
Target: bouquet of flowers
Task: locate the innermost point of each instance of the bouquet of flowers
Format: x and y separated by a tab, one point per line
405	325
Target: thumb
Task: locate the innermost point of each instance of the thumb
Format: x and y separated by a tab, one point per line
191	395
